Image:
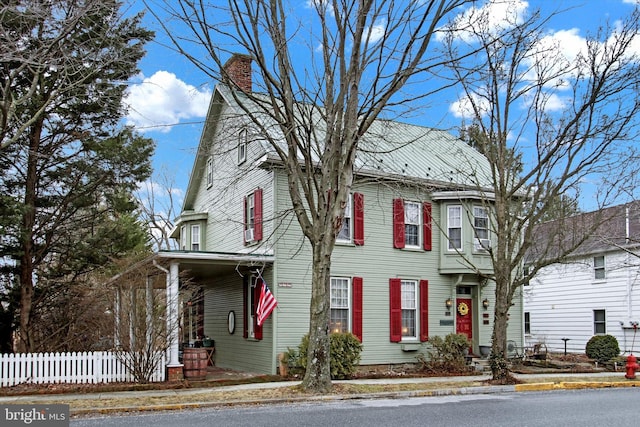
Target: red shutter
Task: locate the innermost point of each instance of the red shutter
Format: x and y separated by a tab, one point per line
395	310
257	227
398	223
424	310
245	299
257	330
426	224
358	219
356	311
244	220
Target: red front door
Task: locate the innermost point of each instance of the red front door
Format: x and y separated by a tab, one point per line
464	318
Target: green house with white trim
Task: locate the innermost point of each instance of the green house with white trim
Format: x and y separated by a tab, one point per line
416	222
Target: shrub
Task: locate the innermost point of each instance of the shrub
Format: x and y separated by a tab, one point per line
446	354
345	355
602	348
292	360
344	350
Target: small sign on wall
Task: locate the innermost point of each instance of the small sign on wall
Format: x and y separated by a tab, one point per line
285	285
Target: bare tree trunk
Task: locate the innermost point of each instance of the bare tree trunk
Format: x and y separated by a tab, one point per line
318	375
498	360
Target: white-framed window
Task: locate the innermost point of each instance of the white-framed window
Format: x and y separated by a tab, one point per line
599	271
599	322
412	224
250	215
242	146
209	172
409	299
183	238
195	237
340	307
346	232
454	227
527	322
481	228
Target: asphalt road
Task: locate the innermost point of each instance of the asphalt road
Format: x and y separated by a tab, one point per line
599	407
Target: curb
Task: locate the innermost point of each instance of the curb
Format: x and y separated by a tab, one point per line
448	391
570	385
545	386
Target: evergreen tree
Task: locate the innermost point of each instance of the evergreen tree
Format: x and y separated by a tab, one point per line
67	167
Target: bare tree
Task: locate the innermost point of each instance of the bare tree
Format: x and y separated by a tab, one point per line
138	300
157	203
553	127
361	55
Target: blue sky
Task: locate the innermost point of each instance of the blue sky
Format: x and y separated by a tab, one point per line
169	99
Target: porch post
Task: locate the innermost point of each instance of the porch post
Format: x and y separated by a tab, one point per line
149	311
132	318
172	315
117	313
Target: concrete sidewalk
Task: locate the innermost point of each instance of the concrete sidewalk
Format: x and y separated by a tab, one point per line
157	400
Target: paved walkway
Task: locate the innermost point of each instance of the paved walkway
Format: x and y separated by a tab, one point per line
94	403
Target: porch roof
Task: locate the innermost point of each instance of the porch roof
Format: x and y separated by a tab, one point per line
203	264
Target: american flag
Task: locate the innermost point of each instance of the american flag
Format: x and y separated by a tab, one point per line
266	303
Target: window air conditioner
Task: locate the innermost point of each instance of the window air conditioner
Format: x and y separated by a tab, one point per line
248	235
484	244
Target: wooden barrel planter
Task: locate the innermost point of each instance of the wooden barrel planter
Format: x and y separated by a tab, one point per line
195	363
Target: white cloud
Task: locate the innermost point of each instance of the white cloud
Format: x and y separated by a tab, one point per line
555	103
464	107
492	17
162	100
376	32
553	59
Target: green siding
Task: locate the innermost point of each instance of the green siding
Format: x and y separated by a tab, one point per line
221	296
223	201
376	262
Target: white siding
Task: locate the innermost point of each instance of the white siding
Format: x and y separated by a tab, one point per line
562	297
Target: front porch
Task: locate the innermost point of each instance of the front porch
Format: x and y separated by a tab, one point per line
187	276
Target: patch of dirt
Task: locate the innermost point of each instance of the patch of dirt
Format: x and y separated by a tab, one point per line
558	363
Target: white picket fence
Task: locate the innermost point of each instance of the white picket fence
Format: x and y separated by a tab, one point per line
80	368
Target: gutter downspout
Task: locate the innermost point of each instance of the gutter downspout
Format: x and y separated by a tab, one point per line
629	279
628	262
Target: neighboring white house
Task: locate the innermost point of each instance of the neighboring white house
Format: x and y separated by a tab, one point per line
597	291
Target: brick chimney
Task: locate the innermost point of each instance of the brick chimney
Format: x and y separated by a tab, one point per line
238	70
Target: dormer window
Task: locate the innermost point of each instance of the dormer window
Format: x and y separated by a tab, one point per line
242	146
